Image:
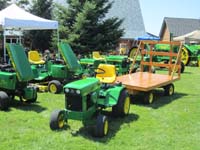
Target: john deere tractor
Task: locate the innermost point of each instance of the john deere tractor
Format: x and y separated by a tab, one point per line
191	54
14	78
52	74
86	99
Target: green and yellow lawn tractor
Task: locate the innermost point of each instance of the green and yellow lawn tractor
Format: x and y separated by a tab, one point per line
121	62
14	78
53	74
191	54
86	99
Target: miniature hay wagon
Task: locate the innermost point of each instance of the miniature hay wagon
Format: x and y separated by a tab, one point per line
146	82
14	78
85	100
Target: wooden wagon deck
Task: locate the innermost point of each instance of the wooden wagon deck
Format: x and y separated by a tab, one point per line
145	81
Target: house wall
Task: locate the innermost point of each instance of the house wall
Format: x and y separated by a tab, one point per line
166	34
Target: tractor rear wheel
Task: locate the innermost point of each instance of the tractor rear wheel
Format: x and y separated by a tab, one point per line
182	67
169	89
57	120
148	97
54	86
33	100
101	128
123	105
185	55
4	100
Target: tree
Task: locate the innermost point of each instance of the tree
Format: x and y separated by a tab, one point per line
4	4
83	24
41	39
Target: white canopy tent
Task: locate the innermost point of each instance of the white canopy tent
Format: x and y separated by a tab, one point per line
192	36
15	18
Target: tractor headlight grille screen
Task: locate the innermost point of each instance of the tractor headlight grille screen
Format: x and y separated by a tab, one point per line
74	102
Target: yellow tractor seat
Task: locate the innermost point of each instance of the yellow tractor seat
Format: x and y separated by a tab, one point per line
106	73
96	55
35	58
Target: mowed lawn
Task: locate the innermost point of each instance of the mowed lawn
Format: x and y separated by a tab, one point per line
170	123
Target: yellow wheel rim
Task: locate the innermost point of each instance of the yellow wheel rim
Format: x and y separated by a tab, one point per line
53	88
126	105
105	127
171	90
199	63
185	56
60	121
150	98
132	53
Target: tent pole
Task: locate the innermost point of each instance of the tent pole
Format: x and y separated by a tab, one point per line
4	45
58	39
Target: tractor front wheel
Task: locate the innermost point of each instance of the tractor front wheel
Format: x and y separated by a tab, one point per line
57	120
169	90
123	105
54	86
4	101
148	97
101	128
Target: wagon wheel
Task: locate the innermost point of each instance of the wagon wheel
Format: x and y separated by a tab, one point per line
169	89
101	128
148	97
185	56
4	100
54	86
123	105
57	120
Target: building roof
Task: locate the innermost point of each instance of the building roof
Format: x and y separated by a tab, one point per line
180	26
130	11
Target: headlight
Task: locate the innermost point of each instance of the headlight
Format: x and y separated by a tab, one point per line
78	92
66	90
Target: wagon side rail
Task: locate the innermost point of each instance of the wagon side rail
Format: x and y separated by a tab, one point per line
172	66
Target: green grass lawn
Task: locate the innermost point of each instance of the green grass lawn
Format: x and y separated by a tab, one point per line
170	123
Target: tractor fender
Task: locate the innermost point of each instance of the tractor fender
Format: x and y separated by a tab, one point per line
113	94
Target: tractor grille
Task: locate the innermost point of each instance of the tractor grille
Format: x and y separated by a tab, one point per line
73	102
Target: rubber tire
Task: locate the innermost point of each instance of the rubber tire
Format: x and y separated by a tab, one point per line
58	86
101	128
33	100
55	118
168	91
148	97
119	109
182	67
4	101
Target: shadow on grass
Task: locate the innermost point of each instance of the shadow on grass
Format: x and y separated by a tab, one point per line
26	106
159	99
114	126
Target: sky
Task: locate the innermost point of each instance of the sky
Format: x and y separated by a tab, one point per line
154	11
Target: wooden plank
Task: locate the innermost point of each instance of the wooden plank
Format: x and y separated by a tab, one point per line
159	53
145	81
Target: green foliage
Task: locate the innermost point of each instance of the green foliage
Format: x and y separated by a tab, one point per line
4	4
170	123
84	26
41	39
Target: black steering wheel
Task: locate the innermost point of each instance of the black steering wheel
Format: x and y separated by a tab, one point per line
99	71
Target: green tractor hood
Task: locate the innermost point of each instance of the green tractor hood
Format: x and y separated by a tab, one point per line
20	62
83	86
